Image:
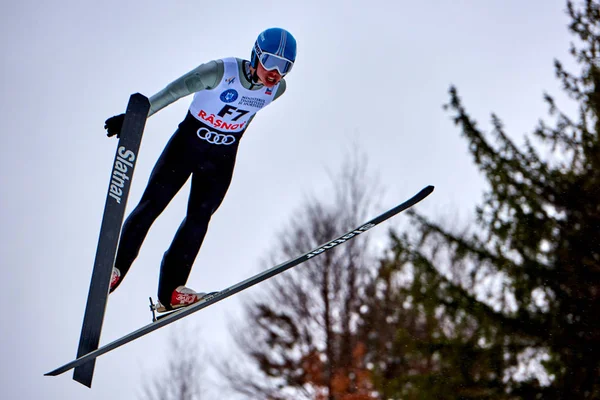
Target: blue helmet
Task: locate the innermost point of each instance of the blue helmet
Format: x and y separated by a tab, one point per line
274	48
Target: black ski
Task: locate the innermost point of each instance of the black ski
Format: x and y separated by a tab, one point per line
218	296
114	209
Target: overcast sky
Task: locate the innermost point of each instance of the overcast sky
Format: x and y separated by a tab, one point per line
374	74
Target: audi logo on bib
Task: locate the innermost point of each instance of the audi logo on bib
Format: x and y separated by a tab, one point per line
214	137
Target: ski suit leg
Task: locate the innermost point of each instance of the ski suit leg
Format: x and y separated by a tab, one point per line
168	176
210	183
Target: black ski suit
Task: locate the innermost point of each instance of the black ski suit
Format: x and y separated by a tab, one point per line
205	153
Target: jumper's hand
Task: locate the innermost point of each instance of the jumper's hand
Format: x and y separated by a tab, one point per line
114	124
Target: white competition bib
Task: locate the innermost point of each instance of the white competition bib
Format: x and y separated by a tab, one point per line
229	106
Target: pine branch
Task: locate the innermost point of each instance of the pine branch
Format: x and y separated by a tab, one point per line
461	299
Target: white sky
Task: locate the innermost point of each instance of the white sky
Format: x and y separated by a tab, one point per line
372	73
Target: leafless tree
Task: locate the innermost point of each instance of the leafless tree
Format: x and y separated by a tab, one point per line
182	376
299	334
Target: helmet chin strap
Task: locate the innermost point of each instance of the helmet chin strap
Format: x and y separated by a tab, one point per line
252	76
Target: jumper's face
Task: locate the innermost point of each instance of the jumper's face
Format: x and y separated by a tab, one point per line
268	78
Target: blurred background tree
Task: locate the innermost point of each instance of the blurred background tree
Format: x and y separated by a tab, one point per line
507	307
519	289
300	333
183	377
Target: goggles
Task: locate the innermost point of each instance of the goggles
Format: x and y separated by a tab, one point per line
271	61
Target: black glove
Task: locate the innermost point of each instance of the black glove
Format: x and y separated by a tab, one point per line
114	124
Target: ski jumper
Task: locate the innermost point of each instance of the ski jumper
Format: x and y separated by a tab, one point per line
204	147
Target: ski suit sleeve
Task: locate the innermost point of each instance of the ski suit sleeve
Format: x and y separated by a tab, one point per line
205	76
280	90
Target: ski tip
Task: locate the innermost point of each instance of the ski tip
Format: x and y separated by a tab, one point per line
140	97
426	191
